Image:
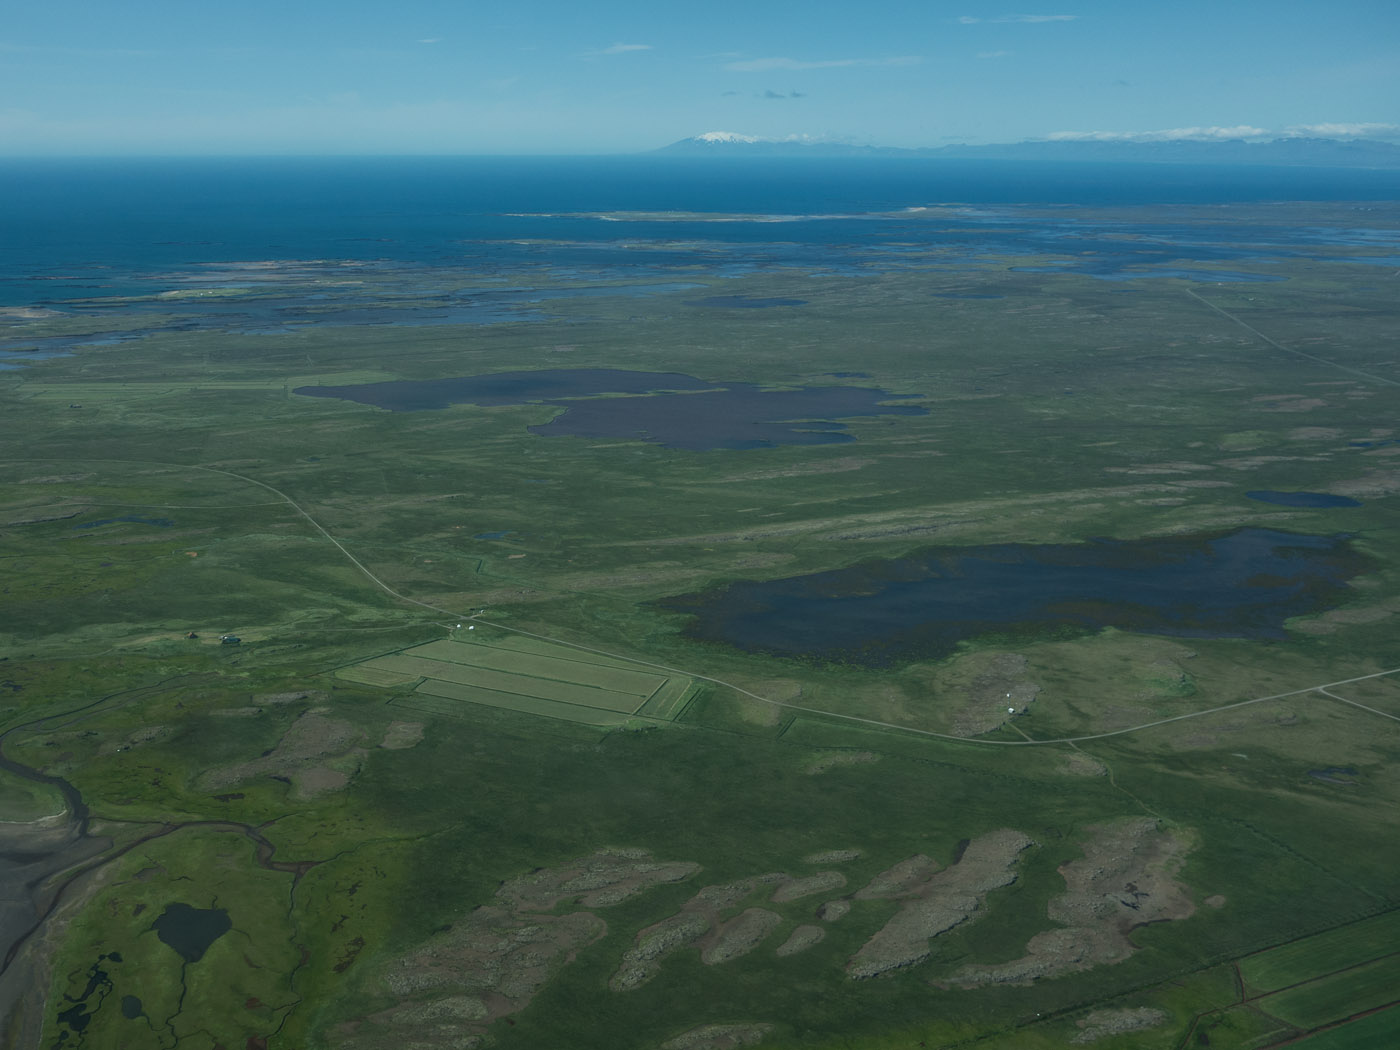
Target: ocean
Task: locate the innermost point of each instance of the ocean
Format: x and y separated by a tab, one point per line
91	228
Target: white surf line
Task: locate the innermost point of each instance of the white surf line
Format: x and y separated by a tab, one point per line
1334	696
1279	346
781	703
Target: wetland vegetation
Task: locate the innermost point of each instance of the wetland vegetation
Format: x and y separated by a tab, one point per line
1099	747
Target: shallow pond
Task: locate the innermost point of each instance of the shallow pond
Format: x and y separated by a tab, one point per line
1303	499
189	930
679	411
1243	584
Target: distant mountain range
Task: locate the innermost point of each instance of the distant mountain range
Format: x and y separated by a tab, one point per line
1308	152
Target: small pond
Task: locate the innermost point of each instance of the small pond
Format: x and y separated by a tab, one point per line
1243	584
678	411
1303	499
189	930
1343	775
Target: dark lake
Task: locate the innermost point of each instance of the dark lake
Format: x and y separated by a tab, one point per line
706	416
189	930
1243	584
1303	499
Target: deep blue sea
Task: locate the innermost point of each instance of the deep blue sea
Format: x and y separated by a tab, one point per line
102	227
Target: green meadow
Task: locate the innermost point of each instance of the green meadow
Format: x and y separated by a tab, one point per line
430	836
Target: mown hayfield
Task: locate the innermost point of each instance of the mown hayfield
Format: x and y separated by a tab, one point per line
365	674
524	674
670	700
1338	995
1321	954
516	702
541	665
488	680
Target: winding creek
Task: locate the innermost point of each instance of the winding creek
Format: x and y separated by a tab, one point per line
49	862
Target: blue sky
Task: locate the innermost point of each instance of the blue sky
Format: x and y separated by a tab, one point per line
545	76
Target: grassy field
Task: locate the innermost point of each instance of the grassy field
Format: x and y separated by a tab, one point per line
1322	954
1376	1032
1338	996
522	674
362	786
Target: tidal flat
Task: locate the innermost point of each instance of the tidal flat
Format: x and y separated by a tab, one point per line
1062	820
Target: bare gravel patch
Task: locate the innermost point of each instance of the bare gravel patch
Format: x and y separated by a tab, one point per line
492	962
832	856
739	936
319	780
900	880
1373	485
795	889
940	900
400	736
697	917
719	1037
802	938
643	960
832	911
606	877
302	757
1103	1023
488	965
1126	879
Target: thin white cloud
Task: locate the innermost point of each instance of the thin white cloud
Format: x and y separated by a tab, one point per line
765	65
1343	130
1247	132
993	54
431	40
620	49
1198	134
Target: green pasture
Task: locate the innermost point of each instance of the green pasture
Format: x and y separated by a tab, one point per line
1378	1031
570	712
384	677
489	680
526	675
1338	995
1322	954
593	673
